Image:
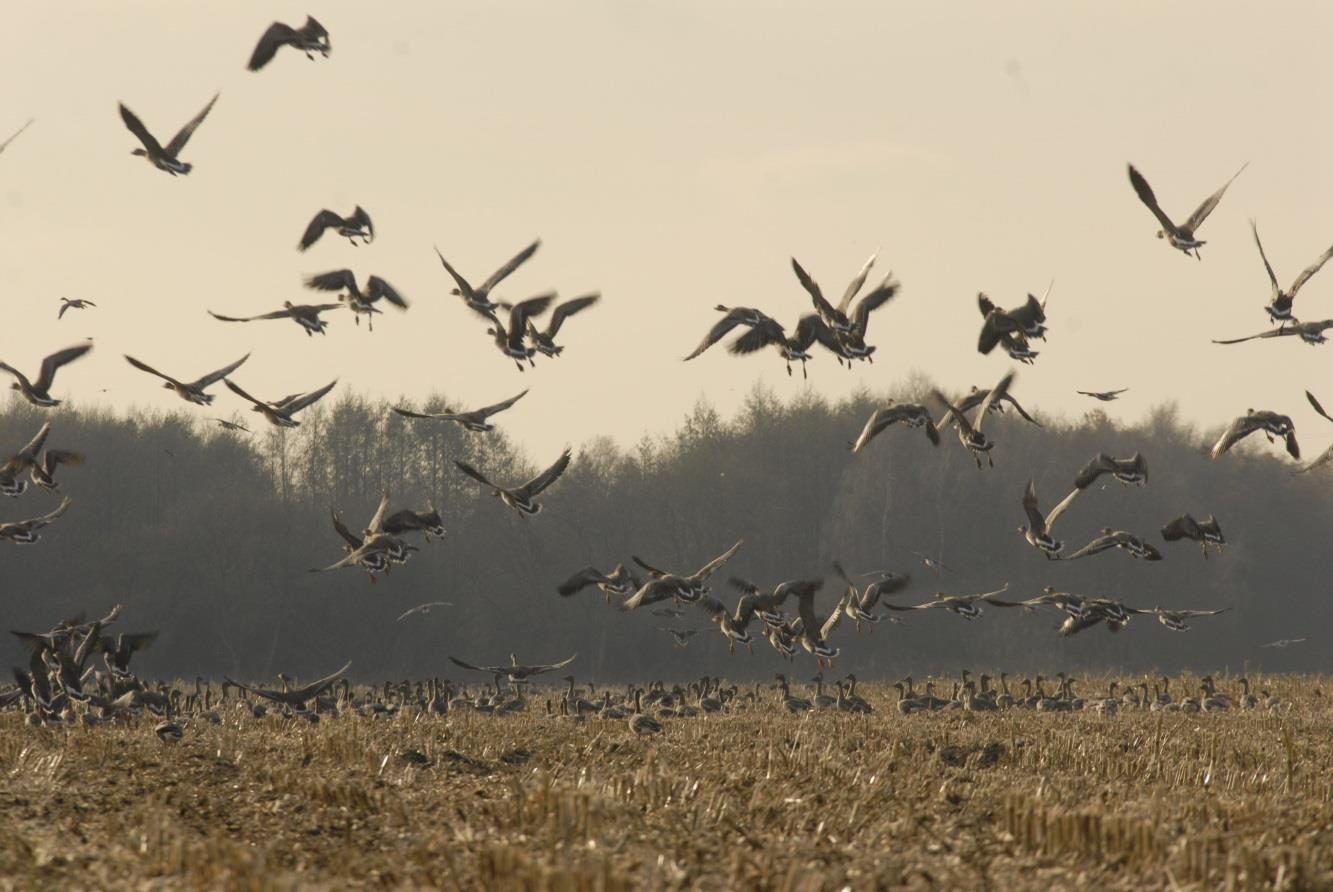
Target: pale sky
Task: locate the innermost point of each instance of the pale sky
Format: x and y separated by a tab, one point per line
672	155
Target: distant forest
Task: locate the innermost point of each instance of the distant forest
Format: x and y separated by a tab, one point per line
209	536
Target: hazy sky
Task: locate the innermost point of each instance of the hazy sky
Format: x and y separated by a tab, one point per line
672	155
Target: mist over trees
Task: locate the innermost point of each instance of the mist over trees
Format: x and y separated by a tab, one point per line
209	537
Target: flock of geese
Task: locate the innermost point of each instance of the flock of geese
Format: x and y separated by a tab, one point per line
59	679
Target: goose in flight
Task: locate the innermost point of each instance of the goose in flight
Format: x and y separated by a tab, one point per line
910	414
73	303
39	392
4	145
1109	539
515	672
165	159
1311	333
358	301
117	652
934	565
374	549
544	339
809	331
304	315
680	638
280	413
423	609
977	394
1084	613
1206	532
1175	620
428	523
1183	237
1023	322
510	340
962	605
662	585
1037	531
357	226
374	562
1279	307
27	458
1132	471
812	633
522	498
476	420
970	434
859	605
1285	642
295	698
26	532
767	604
731	319
310	38
1106	396
193	391
233	426
734	627
1271	423
620	582
850	330
1327	455
479	299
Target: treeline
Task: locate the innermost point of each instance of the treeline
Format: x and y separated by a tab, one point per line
209	536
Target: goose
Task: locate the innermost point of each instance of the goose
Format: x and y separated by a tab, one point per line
361	303
732	318
357	226
192	392
811	632
782	640
854	341
975	397
856	703
43	473
860	604
39	392
25	532
791	702
1022	322
1037	531
1175	620
1247	700
310	38
1271	423
423	609
374	549
479	299
620	582
1285	642
822	700
930	563
911	414
809	331
1182	237
733	626
1084	613
4	145
117	652
27	458
476	420
767	604
168	731
294	698
1106	396
510	340
165	159
544	339
1132	471
1280	305
1311	333
640	724
516	673
521	498
304	315
428	523
680	637
74	303
1327	454
374	562
663	585
234	426
1205	532
970	434
850	330
908	704
1109	539
962	605
280	414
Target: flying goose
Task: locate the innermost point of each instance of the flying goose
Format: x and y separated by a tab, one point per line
514	672
619	582
359	302
810	631
304	315
521	498
1205	532
970	434
1311	333
1084	613
930	563
428	523
850	329
25	532
1105	396
25	459
4	145
280	413
1132	471
1175	620
43	472
73	303
1327	454
297	698
116	652
1109	539
164	159
310	38
767	604
233	426
39	392
680	637
977	394
962	605
357	226
510	340
810	330
911	414
1280	305
1271	423
663	585
374	562
479	299
1026	321
860	604
544	340
192	392
476	420
1285	642
374	549
732	626
423	609
1037	531
736	316
1182	237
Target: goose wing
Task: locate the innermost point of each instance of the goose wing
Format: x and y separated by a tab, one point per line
144	367
1054	514
315	688
567	309
767	332
581	580
377	288
1318	408
353	540
549	667
335	280
236	389
712	566
510	265
464	289
474	474
1145	193
1274	333
323	220
275	36
811	329
212	377
28	454
355	556
294	405
376	524
1309	271
1272	277
39	522
491	669
521	312
733	317
1183	527
52	364
1239	429
710	605
878	421
654	590
1022	413
549	476
833	619
855	285
1036	523
1100	464
1202	211
150	143
882	294
1293	448
812	287
1096	546
996	392
180	139
362	219
499	407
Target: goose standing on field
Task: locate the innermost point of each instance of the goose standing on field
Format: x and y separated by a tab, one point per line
1132	471
357	226
476	420
1271	423
310	38
1311	333
192	392
510	340
361	303
910	414
1206	532
39	392
969	433
479	299
74	303
522	498
663	585
165	159
1280	305
1106	396
1183	237
304	315
1037	531
25	532
544	340
280	413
